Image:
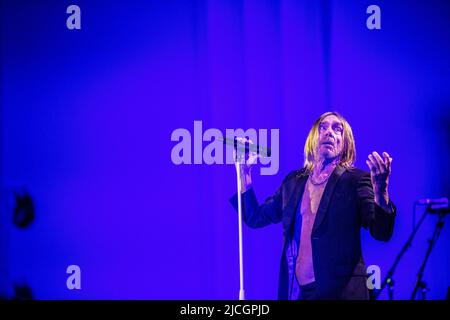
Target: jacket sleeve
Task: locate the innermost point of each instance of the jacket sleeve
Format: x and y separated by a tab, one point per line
256	215
373	218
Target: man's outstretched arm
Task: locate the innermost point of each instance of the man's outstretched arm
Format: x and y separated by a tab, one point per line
254	214
376	209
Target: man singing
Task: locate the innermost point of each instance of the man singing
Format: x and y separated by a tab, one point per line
322	207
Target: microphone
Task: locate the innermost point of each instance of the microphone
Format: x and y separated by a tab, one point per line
432	201
247	147
439	205
439	209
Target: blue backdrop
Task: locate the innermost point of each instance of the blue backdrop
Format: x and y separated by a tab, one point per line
87	116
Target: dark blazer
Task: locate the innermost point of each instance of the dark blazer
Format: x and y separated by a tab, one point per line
347	204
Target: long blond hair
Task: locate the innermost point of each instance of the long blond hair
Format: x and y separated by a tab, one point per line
348	155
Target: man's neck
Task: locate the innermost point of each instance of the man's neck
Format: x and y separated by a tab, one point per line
325	166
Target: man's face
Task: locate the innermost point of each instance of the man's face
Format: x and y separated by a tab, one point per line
330	138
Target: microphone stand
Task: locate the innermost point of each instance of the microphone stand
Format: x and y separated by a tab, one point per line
241	150
431	243
237	162
389	280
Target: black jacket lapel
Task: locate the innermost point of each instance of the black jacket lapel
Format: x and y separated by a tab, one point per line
326	196
294	200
